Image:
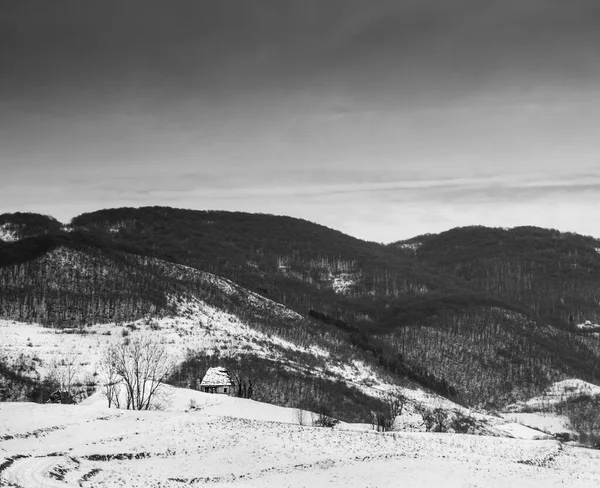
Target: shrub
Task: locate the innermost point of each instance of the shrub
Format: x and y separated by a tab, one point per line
434	420
463	424
325	421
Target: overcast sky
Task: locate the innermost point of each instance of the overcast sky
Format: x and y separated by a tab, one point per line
382	118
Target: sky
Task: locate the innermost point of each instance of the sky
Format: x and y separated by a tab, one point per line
384	119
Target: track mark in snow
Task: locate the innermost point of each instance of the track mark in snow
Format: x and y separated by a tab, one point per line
42	472
321	464
547	461
34	433
89	475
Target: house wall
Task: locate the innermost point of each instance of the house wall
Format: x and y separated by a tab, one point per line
223	390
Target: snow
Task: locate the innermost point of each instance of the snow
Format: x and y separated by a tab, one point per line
519	431
556	393
7	233
242	443
343	282
196	327
216	377
549	423
411	246
588	325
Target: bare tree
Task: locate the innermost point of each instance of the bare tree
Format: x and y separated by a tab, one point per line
395	402
111	386
142	365
435	420
300	415
65	370
383	420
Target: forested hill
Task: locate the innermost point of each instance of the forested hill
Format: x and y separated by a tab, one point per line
486	316
20	225
296	262
555	274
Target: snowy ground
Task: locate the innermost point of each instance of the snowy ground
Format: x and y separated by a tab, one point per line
206	328
237	442
556	393
546	422
199	327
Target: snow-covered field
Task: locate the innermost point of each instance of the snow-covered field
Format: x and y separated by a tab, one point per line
198	327
238	442
556	393
550	423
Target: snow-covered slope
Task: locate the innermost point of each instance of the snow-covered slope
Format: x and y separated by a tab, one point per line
236	442
556	393
196	311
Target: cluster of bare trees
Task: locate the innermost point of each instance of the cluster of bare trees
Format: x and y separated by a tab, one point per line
584	417
71	287
393	405
492	357
139	368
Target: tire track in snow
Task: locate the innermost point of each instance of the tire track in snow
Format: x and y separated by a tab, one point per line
35	473
547	461
323	464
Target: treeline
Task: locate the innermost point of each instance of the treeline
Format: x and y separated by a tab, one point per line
290	260
492	356
68	287
270	381
390	361
583	413
552	273
24	224
19	381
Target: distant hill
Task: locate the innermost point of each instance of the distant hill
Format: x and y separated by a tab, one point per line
555	274
19	225
483	316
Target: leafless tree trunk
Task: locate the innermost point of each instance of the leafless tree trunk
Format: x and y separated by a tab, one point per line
143	366
65	370
300	416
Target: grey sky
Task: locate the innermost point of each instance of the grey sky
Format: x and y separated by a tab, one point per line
383	119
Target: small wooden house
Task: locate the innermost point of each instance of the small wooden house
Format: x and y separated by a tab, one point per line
217	380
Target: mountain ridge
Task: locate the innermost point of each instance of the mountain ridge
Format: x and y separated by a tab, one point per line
429	309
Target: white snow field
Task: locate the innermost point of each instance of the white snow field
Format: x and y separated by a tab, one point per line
556	393
550	423
235	442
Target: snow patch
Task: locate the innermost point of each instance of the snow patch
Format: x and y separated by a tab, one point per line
343	282
556	393
8	233
411	246
588	324
216	377
550	423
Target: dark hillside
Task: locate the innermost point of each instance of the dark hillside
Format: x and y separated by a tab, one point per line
555	274
20	225
292	261
484	316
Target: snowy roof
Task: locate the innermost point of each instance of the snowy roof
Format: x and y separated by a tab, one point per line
216	377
